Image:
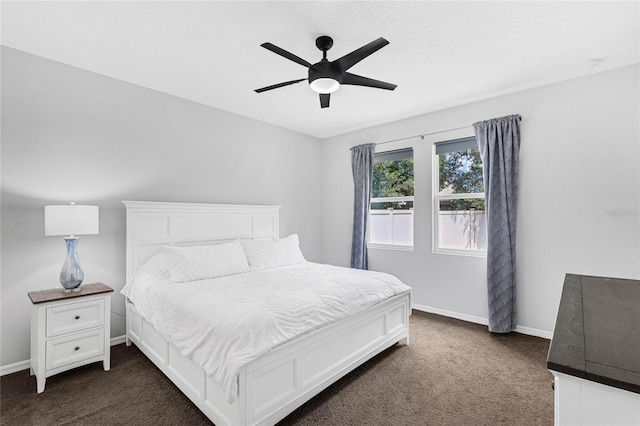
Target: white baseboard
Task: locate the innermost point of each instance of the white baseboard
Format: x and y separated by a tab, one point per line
451	314
534	332
479	320
14	368
118	339
24	365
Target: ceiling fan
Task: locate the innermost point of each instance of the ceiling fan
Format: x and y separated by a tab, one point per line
325	77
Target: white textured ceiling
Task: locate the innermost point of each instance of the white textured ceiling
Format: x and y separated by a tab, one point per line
441	54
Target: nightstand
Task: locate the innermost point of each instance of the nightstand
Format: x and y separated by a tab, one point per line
69	330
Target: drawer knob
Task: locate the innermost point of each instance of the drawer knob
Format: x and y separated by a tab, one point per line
77	347
77	316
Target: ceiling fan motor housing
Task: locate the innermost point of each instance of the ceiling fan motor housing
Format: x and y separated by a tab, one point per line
323	69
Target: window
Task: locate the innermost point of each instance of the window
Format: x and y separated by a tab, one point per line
459	213
391	210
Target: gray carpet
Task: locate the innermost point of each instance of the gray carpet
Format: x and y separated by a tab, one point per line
453	373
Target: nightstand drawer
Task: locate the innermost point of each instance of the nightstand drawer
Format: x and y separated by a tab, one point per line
74	317
74	348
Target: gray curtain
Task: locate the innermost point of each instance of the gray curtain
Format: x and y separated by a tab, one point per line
362	167
499	142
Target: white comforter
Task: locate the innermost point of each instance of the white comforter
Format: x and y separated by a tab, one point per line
223	324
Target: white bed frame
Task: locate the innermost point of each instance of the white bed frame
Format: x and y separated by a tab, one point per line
277	383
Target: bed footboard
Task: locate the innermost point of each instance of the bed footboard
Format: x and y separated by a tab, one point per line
274	385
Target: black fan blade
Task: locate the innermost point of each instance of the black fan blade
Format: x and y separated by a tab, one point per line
350	59
356	80
275	86
324	100
290	56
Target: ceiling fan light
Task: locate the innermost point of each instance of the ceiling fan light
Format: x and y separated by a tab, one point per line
324	85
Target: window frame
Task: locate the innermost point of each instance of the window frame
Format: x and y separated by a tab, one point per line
390	246
438	197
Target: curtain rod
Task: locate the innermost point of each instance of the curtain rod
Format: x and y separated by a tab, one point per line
423	135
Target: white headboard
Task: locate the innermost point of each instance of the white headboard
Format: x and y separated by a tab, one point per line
152	225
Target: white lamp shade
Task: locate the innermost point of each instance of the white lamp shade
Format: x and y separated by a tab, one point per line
324	85
71	219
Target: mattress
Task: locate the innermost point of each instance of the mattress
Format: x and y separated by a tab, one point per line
223	324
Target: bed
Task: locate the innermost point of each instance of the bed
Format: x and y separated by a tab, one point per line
273	385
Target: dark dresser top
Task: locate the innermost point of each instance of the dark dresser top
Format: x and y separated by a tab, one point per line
597	333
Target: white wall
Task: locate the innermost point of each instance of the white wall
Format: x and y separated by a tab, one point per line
72	135
580	158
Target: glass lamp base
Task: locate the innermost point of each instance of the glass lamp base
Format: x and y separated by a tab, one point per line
71	275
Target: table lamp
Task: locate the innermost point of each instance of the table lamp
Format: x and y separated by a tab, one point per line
71	219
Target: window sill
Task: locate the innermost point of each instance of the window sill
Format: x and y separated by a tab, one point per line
467	253
396	247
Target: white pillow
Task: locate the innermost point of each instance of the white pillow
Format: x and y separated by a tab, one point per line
153	272
202	262
267	254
